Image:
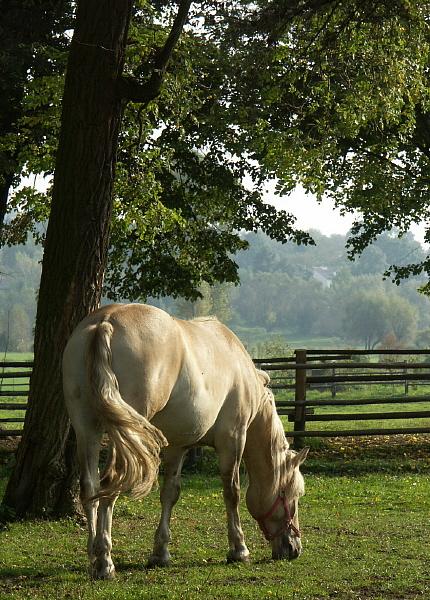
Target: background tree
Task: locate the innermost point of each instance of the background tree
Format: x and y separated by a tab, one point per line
18	328
403	319
19	282
367	318
371	316
423	339
280	296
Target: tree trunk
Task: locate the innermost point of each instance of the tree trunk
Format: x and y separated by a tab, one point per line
44	479
5	186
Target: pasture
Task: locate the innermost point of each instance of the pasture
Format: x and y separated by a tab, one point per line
374	392
365	522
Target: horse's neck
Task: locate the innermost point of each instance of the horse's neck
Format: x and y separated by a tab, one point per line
259	460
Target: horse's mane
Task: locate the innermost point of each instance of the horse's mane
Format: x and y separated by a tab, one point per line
203	319
281	453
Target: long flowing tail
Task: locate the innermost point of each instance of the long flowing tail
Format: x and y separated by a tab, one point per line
136	444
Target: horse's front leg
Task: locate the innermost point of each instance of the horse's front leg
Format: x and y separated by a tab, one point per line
172	459
229	459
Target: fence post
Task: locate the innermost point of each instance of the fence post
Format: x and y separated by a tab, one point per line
333	386
300	398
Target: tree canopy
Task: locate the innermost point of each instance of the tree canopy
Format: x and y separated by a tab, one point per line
332	95
339	102
179	193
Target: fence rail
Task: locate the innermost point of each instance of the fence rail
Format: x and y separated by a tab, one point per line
297	373
310	373
13	384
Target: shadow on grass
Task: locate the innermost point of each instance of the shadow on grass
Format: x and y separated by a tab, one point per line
394	455
13	579
177	564
365	455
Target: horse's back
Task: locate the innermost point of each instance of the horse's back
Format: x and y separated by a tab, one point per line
180	374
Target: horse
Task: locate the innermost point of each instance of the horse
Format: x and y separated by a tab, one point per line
158	384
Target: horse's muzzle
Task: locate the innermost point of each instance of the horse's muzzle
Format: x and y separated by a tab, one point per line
287	547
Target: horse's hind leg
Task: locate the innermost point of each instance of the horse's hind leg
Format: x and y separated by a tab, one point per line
98	512
229	452
101	563
103	567
88	456
170	491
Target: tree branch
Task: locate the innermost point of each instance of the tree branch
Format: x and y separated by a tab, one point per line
276	15
422	131
136	91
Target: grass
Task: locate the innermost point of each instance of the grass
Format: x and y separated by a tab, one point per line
315	343
16	356
365	533
252	336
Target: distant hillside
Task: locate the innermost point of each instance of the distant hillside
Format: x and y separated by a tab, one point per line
287	294
315	293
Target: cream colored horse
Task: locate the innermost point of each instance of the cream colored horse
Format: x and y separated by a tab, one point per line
151	381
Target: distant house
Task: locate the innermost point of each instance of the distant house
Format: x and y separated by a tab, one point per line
324	275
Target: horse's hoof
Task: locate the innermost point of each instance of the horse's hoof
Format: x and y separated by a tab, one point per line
105	576
235	556
105	573
158	561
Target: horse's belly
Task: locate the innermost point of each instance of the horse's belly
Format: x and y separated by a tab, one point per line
185	423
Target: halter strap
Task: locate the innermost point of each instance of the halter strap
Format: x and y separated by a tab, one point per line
285	526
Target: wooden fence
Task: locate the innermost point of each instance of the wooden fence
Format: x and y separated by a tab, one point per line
14	382
307	369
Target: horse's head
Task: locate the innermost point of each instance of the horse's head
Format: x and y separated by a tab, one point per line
275	481
280	524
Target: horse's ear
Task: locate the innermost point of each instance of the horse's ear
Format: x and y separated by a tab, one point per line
263	377
300	457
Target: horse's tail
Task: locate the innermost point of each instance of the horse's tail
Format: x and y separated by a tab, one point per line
135	457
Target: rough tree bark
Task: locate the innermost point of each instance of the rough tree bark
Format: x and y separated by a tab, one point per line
44	480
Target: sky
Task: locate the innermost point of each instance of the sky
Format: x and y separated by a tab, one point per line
324	216
311	214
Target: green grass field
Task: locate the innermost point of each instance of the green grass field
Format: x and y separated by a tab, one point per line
16	356
252	337
366	536
365	522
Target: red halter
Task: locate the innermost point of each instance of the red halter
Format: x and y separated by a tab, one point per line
286	525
